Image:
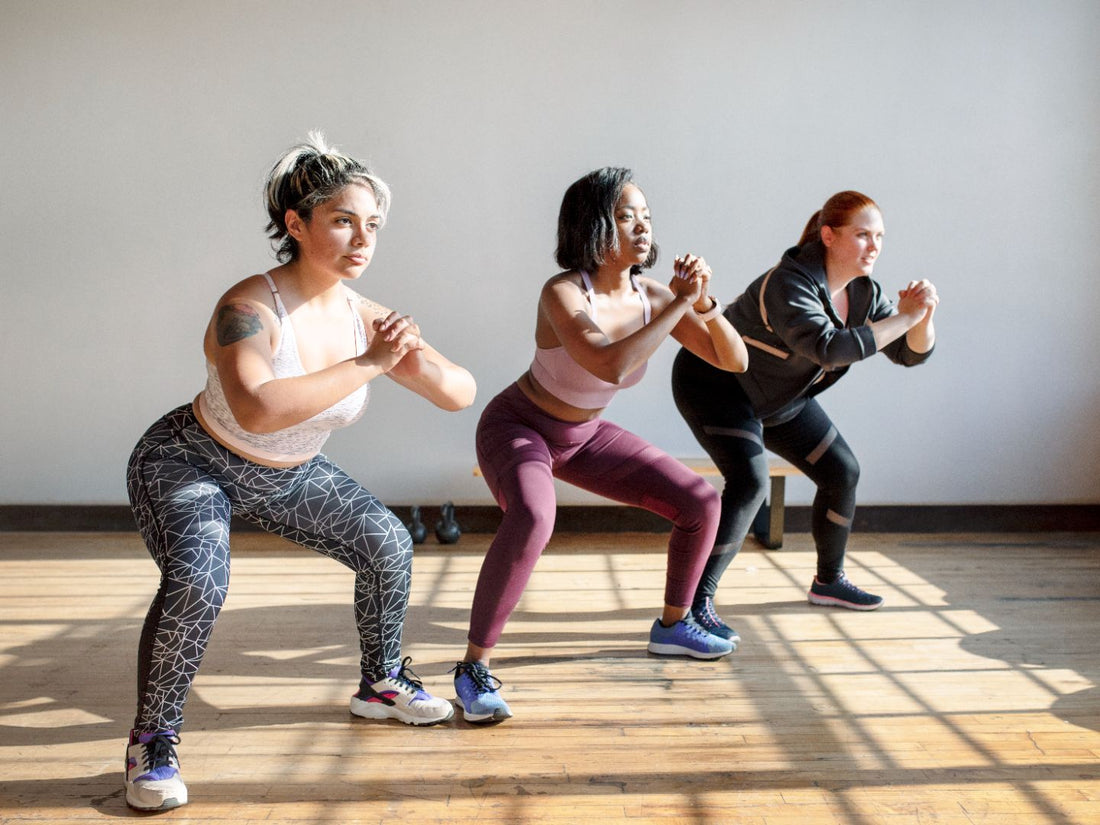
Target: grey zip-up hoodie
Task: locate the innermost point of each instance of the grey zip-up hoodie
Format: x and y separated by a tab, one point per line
798	345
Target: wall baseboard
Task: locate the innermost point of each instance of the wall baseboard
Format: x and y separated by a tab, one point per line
985	518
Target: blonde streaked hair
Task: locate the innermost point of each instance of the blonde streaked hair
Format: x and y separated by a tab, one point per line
306	176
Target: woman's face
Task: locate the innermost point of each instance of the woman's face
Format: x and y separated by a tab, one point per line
632	227
851	249
342	232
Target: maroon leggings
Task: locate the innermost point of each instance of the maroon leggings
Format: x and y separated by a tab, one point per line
521	450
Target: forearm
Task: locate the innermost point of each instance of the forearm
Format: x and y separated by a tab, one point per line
279	403
430	375
891	328
619	359
922	337
730	351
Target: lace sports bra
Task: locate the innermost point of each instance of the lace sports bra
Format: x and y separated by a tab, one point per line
302	441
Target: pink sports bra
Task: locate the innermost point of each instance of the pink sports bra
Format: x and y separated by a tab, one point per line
300	442
564	378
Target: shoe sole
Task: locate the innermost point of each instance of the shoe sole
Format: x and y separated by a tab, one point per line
374	710
497	715
830	601
677	650
165	805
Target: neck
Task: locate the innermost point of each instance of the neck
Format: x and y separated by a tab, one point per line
612	278
309	284
835	279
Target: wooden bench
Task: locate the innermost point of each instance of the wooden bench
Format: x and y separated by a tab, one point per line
767	526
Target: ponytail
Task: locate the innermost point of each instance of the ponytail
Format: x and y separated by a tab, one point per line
813	229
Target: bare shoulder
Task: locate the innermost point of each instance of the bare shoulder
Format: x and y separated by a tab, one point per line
242	312
564	283
368	309
659	294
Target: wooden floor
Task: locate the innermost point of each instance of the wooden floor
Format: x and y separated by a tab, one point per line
970	698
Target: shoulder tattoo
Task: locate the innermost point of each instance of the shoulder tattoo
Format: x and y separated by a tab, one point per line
370	306
236	322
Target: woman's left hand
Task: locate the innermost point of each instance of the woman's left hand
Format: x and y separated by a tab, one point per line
923	294
401	331
691	280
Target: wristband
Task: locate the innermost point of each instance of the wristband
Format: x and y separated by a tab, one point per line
713	312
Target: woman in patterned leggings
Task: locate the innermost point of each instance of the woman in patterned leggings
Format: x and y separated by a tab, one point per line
289	356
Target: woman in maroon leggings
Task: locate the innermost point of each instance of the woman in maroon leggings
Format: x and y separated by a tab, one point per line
598	324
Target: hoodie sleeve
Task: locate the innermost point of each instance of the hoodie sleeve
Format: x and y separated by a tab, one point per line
897	350
796	313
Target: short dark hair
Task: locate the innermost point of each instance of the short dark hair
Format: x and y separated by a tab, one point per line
586	221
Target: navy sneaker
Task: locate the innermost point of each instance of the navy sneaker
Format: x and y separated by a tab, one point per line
400	695
707	618
479	692
687	638
153	780
842	593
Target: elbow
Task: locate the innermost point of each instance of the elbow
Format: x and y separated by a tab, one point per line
460	397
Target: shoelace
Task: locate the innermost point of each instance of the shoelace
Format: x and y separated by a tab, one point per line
694	628
405	676
710	615
160	751
483	680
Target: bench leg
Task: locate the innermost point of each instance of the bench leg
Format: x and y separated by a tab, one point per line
767	526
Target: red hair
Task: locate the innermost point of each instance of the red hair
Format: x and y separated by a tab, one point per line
836	212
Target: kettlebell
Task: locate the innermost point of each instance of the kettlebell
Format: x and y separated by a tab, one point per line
416	527
447	529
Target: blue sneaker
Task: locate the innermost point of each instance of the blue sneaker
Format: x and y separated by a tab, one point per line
153	780
478	691
842	593
707	618
687	638
400	695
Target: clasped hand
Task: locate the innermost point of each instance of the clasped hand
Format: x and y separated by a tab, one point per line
690	280
395	336
918	299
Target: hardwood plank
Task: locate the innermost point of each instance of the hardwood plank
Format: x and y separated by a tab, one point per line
970	698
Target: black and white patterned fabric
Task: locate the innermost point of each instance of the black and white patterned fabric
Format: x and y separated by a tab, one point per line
184	487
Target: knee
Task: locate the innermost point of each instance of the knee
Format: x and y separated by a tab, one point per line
748	487
846	473
702	505
379	543
532	520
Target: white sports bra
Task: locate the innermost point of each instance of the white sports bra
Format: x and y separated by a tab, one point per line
300	442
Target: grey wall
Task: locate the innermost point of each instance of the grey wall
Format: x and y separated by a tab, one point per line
135	136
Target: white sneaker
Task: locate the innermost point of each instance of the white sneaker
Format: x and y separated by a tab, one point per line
153	781
400	695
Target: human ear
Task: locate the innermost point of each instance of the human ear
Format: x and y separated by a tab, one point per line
294	224
827	236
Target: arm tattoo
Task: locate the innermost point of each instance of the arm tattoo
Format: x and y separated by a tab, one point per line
237	322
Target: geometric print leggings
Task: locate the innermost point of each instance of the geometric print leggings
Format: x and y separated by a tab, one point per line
184	487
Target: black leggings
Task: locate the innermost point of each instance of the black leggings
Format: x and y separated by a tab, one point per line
723	422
